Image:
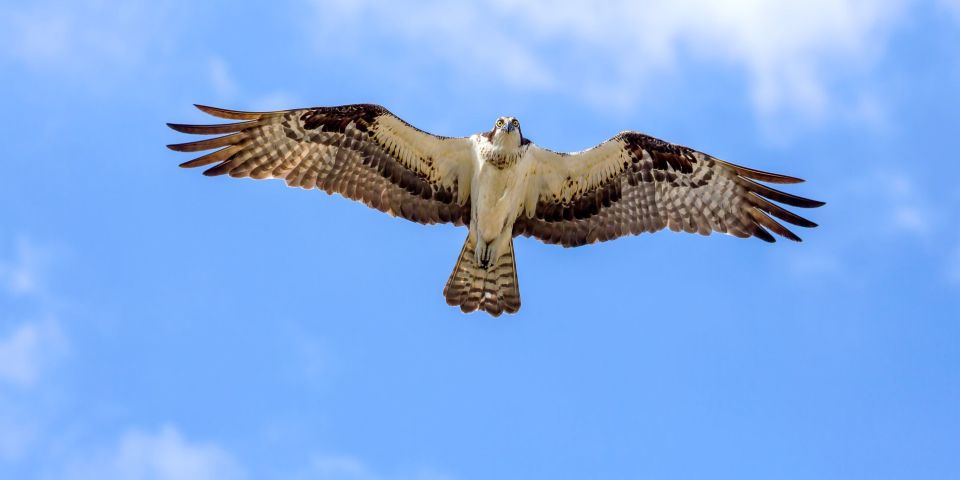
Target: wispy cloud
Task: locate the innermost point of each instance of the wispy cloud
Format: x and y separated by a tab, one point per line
278	100
904	208
329	467
81	38
221	80
159	455
345	467
790	51
166	454
888	211
22	274
226	87
28	350
465	35
30	347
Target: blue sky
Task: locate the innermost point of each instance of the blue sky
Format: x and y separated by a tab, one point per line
157	324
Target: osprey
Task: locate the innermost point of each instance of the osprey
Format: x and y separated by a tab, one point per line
498	183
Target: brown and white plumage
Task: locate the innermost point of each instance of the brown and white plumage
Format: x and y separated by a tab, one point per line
634	183
362	152
497	182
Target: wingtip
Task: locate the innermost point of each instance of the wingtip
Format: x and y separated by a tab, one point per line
229	114
178	127
207	109
764	235
778	178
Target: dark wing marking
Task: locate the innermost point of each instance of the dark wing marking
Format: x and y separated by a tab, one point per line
635	183
362	152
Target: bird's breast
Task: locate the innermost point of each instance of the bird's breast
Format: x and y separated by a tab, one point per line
498	193
501	160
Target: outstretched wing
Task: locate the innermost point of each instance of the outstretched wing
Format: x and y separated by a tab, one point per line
362	152
635	183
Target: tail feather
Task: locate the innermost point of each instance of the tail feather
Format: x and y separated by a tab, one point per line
493	290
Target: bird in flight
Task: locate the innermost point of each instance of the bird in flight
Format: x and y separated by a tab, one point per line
498	183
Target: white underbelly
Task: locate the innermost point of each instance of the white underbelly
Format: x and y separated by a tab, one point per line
498	194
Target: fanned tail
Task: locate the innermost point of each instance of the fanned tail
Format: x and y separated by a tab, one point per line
493	290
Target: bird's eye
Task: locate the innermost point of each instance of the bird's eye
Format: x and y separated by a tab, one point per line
499	123
516	123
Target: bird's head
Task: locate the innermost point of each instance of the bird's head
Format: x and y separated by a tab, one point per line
506	132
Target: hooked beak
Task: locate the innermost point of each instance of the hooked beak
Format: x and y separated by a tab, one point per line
509	127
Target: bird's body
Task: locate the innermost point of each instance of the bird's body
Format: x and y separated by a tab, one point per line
498	183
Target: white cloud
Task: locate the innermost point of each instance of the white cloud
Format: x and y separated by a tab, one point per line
162	455
461	33
909	218
897	205
28	350
339	467
23	274
220	78
167	455
227	87
908	209
82	36
884	209
789	50
344	467
278	100
32	346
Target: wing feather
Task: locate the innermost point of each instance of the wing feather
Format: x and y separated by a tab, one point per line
213	129
233	114
215	157
634	183
209	144
362	152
